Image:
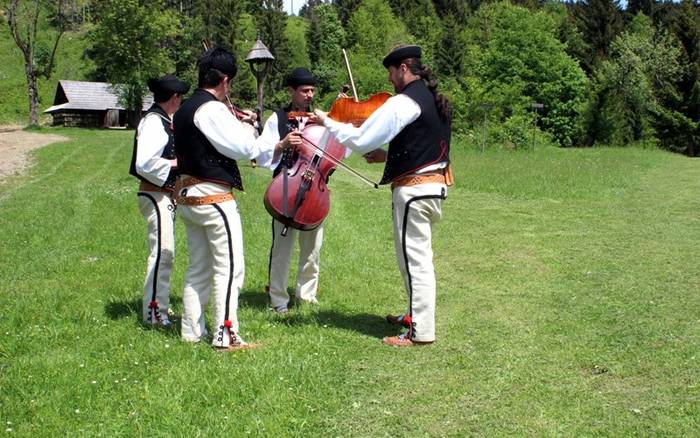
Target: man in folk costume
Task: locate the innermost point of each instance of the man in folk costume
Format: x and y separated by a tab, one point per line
416	123
208	143
300	85
154	163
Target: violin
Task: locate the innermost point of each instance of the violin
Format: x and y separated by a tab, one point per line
238	113
350	110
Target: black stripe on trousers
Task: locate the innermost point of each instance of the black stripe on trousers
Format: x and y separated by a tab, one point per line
442	196
230	258
160	231
269	260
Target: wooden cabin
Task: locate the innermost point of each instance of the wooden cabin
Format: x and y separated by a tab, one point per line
89	105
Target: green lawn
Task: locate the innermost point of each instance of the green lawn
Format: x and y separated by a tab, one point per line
568	304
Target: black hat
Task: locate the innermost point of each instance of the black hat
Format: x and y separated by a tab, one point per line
220	59
168	85
400	53
300	76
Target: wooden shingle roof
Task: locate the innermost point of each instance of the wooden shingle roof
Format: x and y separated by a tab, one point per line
96	96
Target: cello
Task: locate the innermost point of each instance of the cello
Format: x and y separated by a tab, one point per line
299	196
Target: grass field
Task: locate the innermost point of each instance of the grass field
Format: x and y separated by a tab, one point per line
568	305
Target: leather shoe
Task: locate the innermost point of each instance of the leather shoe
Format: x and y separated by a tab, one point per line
236	343
236	347
402	341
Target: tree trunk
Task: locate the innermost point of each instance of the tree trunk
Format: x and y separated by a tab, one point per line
33	92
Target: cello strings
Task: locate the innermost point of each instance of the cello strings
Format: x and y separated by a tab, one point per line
337	162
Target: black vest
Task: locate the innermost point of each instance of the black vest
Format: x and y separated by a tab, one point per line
424	142
196	156
168	150
283	128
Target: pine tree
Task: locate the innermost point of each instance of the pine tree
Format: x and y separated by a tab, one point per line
451	48
220	19
458	9
684	22
345	9
271	21
599	21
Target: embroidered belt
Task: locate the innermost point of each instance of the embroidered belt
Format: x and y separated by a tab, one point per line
205	200
186	182
148	187
199	200
443	176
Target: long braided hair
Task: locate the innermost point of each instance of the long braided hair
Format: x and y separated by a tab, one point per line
426	74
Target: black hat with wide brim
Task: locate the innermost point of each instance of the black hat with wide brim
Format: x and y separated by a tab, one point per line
168	84
300	76
400	53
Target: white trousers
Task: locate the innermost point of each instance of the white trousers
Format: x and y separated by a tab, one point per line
159	211
415	210
309	263
216	265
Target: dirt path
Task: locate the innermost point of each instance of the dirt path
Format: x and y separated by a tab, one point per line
15	146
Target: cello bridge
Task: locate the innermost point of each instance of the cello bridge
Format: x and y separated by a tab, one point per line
308	174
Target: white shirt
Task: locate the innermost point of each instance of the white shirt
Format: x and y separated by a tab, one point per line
229	136
270	137
151	139
380	128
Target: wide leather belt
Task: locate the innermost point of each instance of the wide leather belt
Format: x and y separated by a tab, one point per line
187	181
148	187
205	200
443	176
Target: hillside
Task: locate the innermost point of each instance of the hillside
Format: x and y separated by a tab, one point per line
70	64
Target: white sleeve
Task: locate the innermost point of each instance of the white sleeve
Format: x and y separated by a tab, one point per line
380	128
269	138
151	139
228	135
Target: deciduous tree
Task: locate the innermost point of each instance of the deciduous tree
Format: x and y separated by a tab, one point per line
24	20
640	81
129	46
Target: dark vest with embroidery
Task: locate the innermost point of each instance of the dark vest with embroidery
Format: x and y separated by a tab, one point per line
424	142
196	156
168	150
283	128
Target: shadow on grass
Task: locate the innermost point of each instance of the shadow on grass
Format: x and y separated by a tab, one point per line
365	323
305	314
123	309
116	310
254	298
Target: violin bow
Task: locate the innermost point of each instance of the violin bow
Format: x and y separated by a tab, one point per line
352	81
337	162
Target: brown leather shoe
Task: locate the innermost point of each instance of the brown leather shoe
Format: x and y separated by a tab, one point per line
397	341
402	341
236	347
236	343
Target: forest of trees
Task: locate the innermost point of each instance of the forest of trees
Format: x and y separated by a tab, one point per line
603	74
